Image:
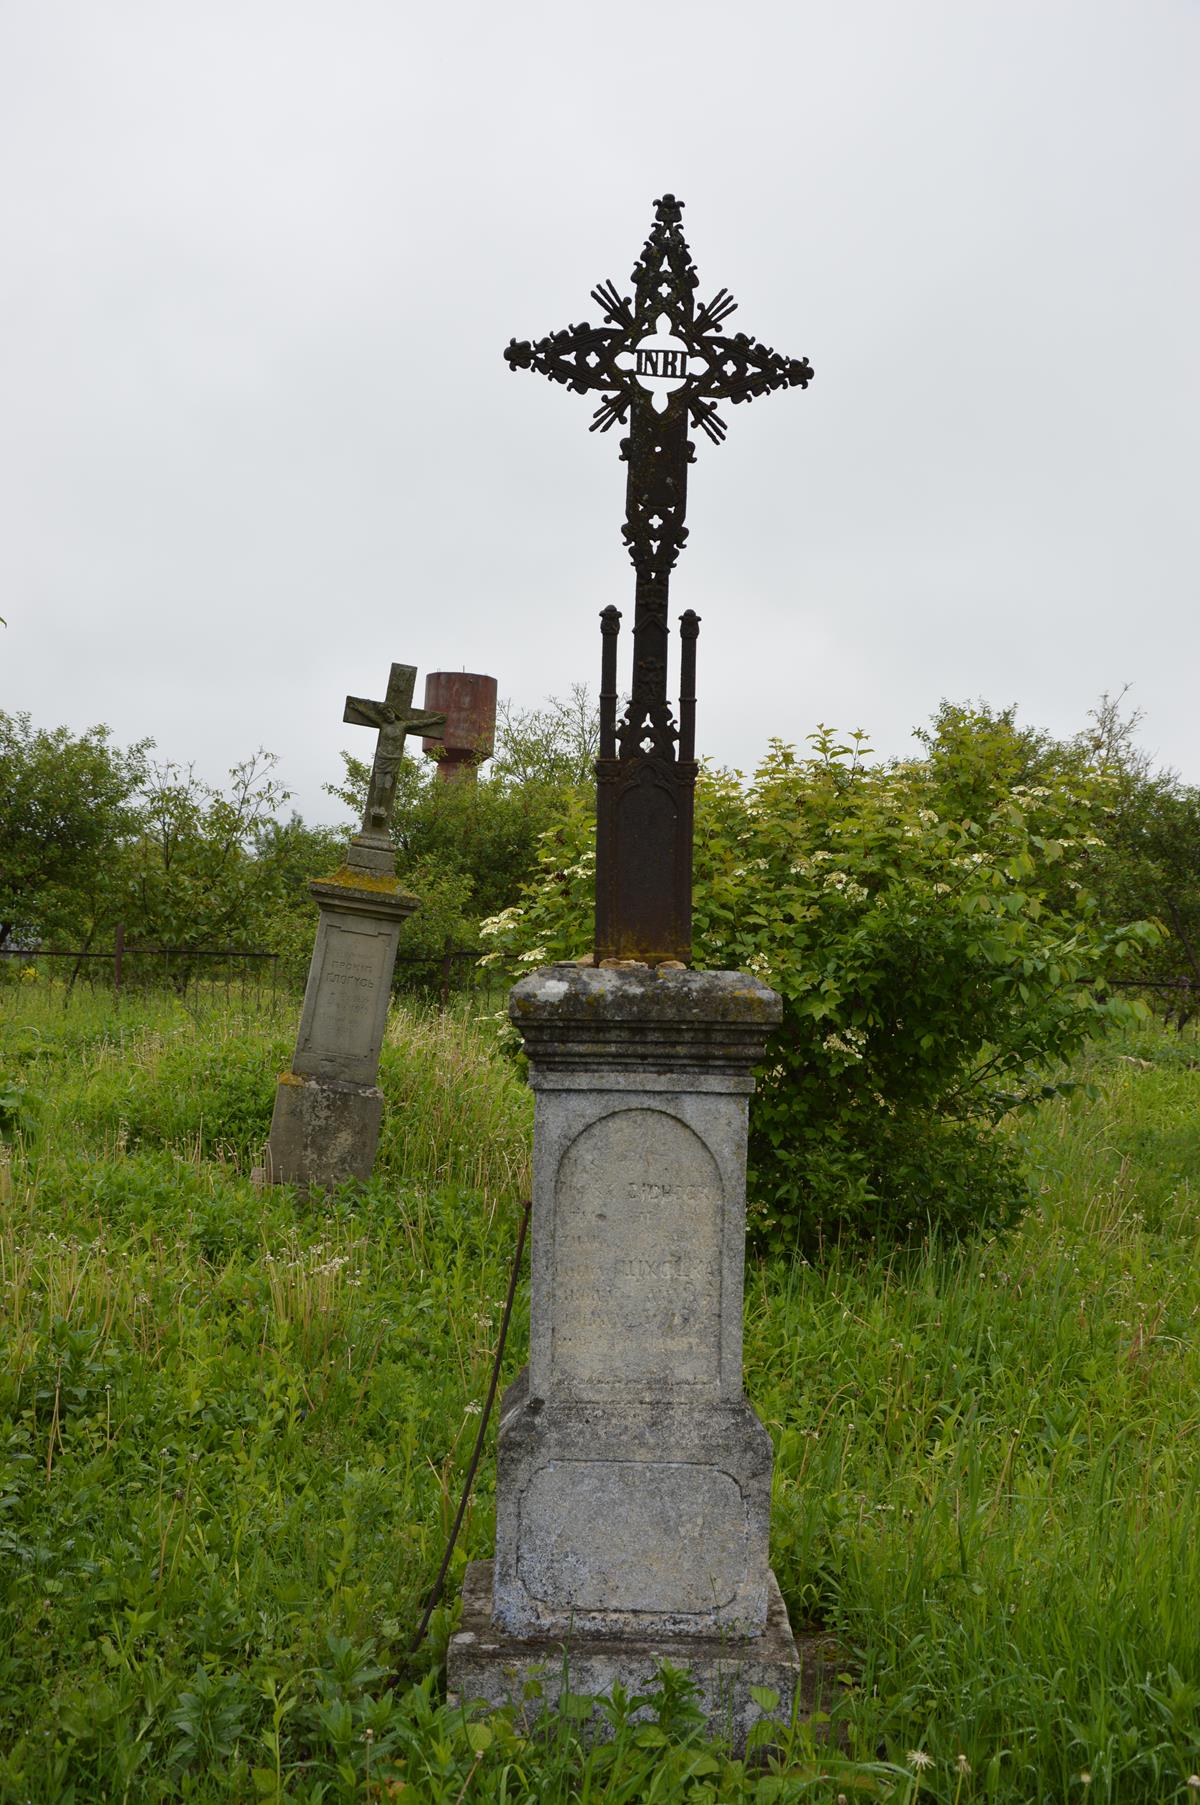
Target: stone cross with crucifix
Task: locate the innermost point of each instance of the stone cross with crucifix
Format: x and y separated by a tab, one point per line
394	718
661	363
328	1106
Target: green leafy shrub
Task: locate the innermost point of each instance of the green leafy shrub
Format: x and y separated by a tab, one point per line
933	971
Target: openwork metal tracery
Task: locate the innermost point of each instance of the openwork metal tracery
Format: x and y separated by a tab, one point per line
660	364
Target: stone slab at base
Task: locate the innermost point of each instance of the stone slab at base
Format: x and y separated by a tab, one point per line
323	1131
483	1663
647	1519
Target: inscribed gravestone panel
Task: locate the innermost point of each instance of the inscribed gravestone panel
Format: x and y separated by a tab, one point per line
636	1300
344	1025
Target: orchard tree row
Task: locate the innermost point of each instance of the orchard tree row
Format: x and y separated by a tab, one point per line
93	834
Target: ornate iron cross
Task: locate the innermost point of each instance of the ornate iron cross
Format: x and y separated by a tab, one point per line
394	717
660	362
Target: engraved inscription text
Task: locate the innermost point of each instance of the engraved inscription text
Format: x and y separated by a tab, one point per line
636	1298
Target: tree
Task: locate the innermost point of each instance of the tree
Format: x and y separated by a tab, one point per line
555	745
285	856
1142	839
209	868
66	806
1150	865
935	970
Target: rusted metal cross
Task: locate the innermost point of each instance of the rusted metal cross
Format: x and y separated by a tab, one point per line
394	717
661	362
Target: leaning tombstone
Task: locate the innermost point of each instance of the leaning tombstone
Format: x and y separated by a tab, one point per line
633	1478
328	1107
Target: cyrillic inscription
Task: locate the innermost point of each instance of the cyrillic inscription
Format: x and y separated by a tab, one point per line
343	1017
636	1296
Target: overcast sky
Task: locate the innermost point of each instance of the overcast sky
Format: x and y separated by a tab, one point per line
259	260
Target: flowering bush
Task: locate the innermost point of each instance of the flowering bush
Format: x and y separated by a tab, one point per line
934	972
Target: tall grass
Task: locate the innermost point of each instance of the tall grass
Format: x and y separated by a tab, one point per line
455	1115
233	1425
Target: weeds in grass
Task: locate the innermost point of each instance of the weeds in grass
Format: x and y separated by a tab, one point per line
233	1426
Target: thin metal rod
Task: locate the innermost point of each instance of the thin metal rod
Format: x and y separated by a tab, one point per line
431	1602
610	626
689	632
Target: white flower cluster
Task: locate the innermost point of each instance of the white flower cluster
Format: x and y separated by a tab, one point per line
849	1043
496	924
840	880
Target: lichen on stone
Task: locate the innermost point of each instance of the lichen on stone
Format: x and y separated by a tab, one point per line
350	877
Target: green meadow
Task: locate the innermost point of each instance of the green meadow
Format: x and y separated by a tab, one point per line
233	1429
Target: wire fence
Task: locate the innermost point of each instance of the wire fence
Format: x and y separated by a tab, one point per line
258	977
455	971
246	975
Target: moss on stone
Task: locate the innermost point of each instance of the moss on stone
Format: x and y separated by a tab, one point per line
371	883
355	878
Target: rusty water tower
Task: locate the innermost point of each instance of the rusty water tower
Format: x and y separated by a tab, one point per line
468	702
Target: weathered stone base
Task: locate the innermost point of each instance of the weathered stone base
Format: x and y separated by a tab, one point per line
650	1519
323	1131
484	1663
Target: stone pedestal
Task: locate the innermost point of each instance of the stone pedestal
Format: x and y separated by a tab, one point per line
325	1126
633	1479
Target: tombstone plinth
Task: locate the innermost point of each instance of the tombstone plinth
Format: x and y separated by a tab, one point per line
328	1107
633	1478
